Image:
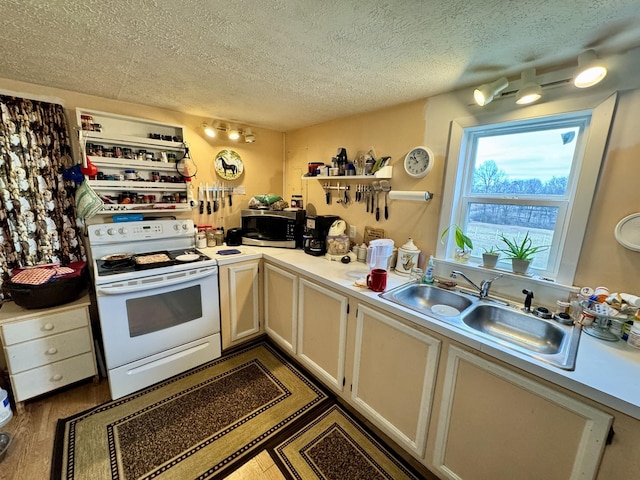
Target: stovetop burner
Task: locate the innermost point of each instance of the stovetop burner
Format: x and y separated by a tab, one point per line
107	267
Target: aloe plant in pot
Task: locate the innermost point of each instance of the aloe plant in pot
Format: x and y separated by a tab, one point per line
464	244
520	252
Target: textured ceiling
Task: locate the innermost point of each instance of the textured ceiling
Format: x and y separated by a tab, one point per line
284	64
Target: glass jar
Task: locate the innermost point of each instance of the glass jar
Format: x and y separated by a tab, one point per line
219	237
211	237
417	275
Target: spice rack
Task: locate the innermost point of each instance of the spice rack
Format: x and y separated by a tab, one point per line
125	143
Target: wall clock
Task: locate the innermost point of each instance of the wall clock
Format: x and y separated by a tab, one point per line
228	164
418	162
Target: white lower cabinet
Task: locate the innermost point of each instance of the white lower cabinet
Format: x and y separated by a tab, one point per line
240	296
281	306
394	377
495	424
322	332
46	349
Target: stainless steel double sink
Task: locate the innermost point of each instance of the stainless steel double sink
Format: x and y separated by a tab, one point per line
497	324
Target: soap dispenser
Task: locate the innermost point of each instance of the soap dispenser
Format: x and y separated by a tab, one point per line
407	257
428	275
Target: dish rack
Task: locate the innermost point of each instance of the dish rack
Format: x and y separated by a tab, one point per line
606	319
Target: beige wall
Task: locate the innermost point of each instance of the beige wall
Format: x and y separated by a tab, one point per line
393	131
262	160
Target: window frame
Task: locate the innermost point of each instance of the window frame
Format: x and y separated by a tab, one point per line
566	252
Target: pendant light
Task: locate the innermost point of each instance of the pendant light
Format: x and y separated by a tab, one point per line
529	91
591	70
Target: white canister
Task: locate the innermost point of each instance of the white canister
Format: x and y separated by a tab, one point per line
408	255
5	408
633	340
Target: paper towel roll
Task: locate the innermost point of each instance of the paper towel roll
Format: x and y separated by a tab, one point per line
409	195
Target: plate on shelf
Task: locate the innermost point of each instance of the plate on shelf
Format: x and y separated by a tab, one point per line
627	232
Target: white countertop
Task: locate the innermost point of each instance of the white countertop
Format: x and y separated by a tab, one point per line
606	372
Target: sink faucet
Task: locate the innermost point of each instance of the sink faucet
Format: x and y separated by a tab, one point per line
485	285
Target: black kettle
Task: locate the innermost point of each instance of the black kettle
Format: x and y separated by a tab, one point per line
234	237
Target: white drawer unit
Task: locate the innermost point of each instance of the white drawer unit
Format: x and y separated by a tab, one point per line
46	349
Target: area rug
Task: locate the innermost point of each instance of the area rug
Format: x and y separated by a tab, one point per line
335	447
194	425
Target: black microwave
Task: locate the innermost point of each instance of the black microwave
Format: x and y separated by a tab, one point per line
273	228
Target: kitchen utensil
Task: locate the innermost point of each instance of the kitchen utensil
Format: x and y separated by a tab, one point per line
216	205
223	189
231	196
201	198
376	189
385	186
366	197
208	198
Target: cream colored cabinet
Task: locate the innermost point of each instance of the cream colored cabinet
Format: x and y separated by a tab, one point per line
46	349
281	306
494	423
240	297
322	332
394	376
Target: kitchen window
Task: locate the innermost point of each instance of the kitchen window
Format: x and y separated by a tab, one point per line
516	174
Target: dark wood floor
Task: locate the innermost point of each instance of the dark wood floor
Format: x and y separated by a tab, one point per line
33	432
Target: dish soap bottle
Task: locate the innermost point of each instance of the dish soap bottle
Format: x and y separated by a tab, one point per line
428	275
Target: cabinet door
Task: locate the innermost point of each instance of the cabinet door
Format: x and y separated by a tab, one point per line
496	424
239	302
322	332
280	306
394	377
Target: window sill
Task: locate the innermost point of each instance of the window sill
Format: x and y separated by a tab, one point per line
546	291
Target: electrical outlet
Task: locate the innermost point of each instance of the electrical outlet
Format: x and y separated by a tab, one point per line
352	231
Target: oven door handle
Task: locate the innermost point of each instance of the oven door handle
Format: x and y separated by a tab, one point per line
107	290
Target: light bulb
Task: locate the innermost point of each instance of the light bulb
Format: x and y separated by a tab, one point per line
590	70
209	131
233	134
529	91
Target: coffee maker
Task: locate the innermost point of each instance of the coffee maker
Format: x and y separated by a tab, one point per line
316	228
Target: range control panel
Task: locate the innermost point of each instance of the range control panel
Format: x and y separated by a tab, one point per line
138	231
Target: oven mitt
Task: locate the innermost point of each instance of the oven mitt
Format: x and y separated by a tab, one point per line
88	203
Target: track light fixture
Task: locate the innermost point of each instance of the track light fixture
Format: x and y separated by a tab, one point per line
484	94
591	70
233	134
249	136
530	91
209	130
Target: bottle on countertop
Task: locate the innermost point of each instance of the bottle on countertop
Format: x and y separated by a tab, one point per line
428	275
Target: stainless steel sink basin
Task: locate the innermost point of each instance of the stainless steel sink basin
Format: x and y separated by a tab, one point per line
497	325
526	331
423	298
544	340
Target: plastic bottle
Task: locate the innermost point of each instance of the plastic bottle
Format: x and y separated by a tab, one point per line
428	275
5	408
634	335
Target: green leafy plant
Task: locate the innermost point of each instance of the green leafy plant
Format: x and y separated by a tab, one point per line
461	239
492	250
523	250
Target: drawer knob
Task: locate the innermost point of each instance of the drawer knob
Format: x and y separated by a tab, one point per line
52	351
48	326
57	377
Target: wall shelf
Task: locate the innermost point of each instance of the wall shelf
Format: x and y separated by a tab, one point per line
383	173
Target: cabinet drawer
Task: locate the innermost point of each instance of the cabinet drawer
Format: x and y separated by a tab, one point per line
54	375
26	355
44	325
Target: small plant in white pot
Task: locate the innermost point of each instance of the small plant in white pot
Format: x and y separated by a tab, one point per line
520	252
490	257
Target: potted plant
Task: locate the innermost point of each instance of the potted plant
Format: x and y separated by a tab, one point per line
464	245
520	252
490	257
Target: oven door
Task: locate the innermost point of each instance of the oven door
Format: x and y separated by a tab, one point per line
152	314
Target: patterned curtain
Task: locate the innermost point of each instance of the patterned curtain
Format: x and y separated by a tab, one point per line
38	222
